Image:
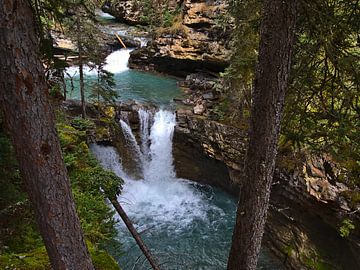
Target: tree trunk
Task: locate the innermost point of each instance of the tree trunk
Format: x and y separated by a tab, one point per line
30	123
276	42
81	73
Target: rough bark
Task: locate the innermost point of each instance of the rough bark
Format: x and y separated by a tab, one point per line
30	123
135	234
81	73
276	42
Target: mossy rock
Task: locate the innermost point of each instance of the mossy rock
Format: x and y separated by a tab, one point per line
39	260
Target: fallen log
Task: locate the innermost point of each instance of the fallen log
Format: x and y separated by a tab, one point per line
134	233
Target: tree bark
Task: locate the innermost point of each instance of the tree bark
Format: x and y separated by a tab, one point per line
276	42
81	72
30	122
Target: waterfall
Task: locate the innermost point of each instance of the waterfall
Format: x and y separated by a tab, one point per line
161	163
131	140
117	61
159	197
109	160
187	226
144	117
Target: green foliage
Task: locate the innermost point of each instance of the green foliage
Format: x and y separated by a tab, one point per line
21	246
346	227
102	89
91	183
39	260
96	218
34	260
315	261
156	13
101	259
322	108
81	124
240	74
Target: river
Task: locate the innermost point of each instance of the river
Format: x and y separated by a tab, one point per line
185	224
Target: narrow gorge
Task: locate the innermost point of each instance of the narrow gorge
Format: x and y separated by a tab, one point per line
156	98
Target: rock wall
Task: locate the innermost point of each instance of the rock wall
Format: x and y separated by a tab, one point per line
307	204
195	41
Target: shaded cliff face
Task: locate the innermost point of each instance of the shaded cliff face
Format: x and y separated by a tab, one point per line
307	204
191	38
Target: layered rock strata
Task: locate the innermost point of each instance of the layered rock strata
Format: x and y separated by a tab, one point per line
308	203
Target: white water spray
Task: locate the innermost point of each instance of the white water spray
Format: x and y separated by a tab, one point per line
161	164
109	159
185	227
144	118
160	198
131	140
116	62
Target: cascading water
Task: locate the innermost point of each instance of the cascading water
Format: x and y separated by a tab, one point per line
145	117
130	84
117	61
160	167
187	225
131	140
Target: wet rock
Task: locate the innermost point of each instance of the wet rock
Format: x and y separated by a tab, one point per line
208	95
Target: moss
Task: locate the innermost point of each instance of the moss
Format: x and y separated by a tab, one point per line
353	197
39	260
101	259
110	111
21	244
314	261
35	260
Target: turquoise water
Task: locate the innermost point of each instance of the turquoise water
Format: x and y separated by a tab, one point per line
186	225
134	85
203	243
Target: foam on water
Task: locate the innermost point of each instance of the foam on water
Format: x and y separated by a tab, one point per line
73	71
105	15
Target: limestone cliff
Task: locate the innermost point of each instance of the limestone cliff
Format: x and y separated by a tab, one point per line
308	202
193	37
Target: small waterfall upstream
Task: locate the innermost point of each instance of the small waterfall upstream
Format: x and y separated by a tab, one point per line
186	225
116	62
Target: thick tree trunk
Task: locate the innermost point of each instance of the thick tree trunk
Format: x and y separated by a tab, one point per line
30	122
276	42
